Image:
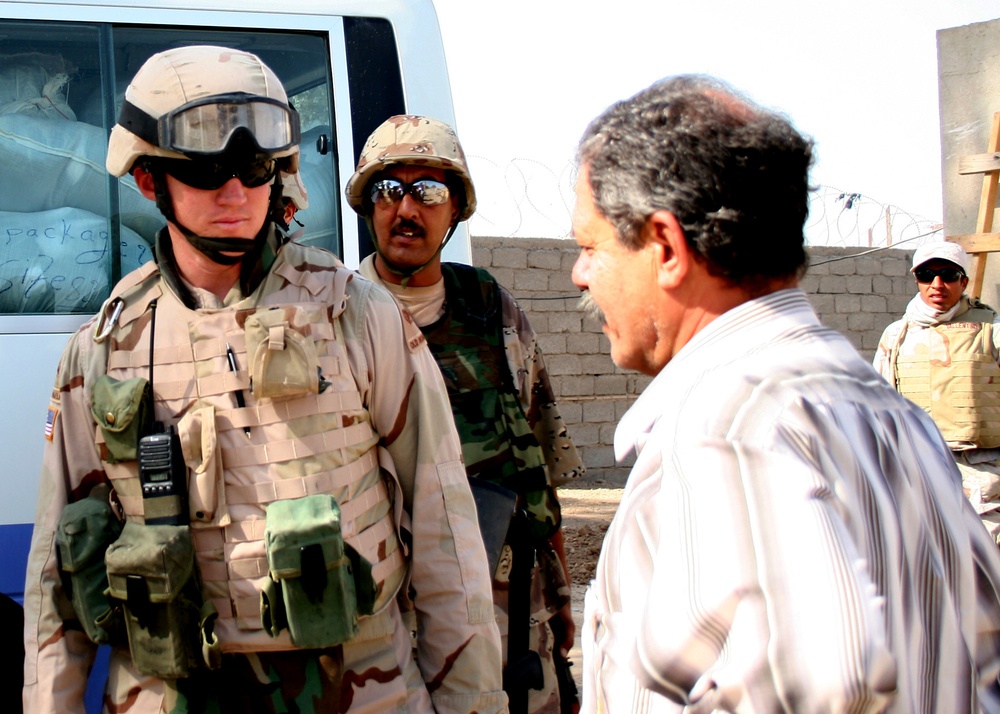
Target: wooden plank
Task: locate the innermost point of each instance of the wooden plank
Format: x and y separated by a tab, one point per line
974	243
978	164
987	203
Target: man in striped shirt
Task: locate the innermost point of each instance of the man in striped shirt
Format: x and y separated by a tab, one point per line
793	535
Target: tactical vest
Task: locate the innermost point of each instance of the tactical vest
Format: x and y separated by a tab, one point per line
308	430
961	388
468	344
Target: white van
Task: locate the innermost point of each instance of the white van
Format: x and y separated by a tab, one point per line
69	230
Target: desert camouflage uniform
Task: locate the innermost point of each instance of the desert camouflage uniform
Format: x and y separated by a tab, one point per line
389	391
531	463
951	370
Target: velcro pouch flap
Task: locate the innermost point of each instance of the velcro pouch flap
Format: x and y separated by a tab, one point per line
121	409
283	361
163	556
86	529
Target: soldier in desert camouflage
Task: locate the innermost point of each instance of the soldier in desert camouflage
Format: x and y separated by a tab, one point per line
413	187
287	380
943	355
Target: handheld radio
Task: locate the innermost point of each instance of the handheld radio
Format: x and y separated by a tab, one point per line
162	471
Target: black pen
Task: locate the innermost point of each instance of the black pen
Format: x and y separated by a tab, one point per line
240	401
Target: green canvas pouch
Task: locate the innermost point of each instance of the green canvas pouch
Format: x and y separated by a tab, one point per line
85	531
122	410
151	570
314	571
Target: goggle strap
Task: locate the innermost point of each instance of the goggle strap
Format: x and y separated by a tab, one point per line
139	123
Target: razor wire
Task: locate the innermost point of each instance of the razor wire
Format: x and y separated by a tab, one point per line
526	198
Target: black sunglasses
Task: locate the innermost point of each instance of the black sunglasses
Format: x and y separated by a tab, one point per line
208	174
948	275
426	191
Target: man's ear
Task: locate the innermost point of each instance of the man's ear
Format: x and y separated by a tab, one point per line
144	180
665	238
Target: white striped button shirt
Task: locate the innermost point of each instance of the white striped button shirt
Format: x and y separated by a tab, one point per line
793	537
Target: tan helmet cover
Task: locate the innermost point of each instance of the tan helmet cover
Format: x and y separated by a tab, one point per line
170	79
413	140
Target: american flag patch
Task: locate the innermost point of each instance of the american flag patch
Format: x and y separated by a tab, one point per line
50	422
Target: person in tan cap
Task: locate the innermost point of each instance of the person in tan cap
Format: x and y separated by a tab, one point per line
257	527
413	187
943	355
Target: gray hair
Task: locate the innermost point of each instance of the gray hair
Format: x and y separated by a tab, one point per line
734	175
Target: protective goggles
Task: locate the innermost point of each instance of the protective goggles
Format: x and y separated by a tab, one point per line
948	275
208	175
427	191
208	124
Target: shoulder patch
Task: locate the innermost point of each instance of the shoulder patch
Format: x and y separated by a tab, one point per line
50	421
413	334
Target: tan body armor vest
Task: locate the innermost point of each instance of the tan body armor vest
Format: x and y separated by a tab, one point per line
954	377
308	430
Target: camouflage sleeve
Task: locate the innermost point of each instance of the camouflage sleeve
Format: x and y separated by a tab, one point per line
537	398
881	361
58	655
458	643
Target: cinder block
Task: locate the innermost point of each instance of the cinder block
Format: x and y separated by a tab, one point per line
611	384
531	280
565	364
550	260
859	284
510	257
482	257
833	284
847	303
598	410
873	303
578	386
838	267
552	344
565	322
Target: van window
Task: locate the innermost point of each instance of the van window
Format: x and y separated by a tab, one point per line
69	230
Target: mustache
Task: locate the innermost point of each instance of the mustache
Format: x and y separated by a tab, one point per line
590	307
405	224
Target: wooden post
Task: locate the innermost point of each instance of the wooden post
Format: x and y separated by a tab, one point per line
983	241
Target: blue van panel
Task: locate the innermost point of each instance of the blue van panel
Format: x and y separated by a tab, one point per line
15	540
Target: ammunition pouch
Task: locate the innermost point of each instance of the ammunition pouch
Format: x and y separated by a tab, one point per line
151	570
319	585
85	530
122	410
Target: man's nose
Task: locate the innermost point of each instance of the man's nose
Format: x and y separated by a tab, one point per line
408	206
578	274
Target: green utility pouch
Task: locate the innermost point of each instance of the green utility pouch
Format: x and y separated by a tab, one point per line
151	569
86	529
122	410
319	585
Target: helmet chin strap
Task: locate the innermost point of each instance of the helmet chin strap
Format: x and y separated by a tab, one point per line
216	249
407	273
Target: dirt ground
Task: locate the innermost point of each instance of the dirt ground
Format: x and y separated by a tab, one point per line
586	513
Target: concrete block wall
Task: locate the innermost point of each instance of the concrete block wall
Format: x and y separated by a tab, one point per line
856	294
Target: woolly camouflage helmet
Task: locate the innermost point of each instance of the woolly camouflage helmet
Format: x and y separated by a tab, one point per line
416	141
161	114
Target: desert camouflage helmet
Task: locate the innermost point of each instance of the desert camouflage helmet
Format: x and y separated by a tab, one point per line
413	140
163	100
